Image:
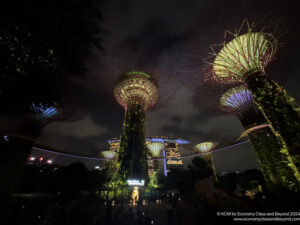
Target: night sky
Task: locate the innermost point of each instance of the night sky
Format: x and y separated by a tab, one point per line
168	39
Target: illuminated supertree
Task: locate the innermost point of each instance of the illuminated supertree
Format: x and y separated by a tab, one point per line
238	100
136	91
43	112
205	148
110	155
153	165
155	148
272	161
243	59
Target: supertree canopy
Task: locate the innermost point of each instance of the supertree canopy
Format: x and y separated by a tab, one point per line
205	148
136	88
245	54
155	148
136	91
43	111
243	59
109	154
239	98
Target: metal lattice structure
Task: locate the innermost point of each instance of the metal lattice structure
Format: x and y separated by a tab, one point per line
136	88
155	148
245	54
238	98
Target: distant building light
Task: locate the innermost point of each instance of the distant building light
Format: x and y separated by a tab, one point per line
136	182
41	158
97	167
5	138
32	158
49	161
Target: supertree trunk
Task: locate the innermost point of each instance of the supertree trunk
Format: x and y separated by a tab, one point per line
132	156
208	157
276	164
278	109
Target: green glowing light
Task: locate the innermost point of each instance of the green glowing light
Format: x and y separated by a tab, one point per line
136	88
109	154
205	146
245	54
135	72
155	148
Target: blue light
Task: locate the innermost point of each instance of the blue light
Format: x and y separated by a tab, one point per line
240	99
157	140
44	112
182	142
165	162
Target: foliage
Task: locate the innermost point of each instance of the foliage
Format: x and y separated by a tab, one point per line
132	153
275	163
153	180
67	181
278	109
40	43
185	180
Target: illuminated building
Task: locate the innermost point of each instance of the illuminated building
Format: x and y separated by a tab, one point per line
206	148
170	154
243	59
136	91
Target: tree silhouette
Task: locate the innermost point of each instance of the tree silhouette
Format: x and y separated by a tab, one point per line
41	43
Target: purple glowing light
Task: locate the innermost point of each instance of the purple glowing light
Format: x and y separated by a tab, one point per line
239	100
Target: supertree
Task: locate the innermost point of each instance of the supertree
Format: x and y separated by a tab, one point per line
205	148
272	161
153	165
44	112
136	91
110	155
155	148
243	59
238	100
110	168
